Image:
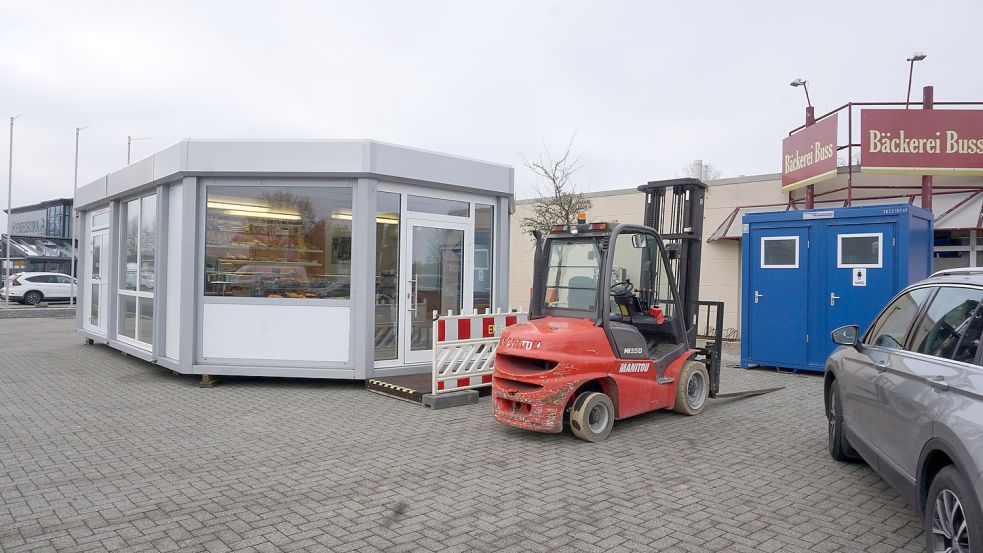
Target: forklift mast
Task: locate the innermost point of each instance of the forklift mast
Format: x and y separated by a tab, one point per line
674	208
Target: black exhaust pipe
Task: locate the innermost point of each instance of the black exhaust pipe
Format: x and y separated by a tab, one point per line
538	275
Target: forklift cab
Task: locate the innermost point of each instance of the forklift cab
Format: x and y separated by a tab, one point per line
616	275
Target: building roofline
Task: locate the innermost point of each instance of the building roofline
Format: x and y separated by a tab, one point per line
39	205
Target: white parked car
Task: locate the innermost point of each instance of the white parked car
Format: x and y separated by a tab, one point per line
33	288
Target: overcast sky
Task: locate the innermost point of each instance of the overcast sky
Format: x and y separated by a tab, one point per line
647	86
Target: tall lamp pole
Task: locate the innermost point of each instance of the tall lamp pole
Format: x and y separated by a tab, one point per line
810	120
917	56
10	187
129	141
74	223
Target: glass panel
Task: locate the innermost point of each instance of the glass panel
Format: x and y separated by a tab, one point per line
127	316
131	244
438	269
856	251
951	260
572	279
951	326
148	242
94	305
779	252
100	220
484	254
96	264
145	322
437	206
637	260
278	241
952	238
890	328
386	275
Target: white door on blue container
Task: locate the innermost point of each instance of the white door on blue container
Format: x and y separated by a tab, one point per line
860	274
777	299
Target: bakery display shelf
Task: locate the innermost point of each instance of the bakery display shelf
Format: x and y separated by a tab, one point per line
270	262
260	247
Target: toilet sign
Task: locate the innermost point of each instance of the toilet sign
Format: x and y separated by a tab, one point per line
860	277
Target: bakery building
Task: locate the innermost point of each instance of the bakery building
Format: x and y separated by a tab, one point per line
311	258
864	172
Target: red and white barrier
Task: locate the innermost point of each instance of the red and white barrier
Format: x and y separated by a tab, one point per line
464	348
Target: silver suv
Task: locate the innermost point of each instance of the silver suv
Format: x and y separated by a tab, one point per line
907	397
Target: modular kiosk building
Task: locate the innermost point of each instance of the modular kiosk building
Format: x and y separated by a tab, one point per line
320	259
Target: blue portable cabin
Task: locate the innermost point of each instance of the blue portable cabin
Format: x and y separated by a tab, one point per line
808	272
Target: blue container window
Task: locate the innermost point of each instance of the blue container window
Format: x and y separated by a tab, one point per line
780	252
859	250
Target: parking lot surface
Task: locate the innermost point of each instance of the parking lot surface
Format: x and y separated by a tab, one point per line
101	451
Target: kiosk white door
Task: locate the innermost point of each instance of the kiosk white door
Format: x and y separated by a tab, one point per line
435	268
96	281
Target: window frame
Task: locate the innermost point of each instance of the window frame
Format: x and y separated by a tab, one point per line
761	260
909	338
906	344
136	293
880	251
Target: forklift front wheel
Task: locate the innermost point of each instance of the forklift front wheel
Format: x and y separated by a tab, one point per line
692	388
592	416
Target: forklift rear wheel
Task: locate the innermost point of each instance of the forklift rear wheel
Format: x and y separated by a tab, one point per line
592	416
692	389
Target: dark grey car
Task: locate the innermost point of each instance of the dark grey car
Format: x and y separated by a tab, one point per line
907	397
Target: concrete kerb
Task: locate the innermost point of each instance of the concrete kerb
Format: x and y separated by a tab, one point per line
450	399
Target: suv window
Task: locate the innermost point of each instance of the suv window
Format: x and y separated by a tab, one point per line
40	279
890	329
63	279
951	325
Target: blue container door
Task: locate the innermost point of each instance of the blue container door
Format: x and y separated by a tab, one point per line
861	275
776	296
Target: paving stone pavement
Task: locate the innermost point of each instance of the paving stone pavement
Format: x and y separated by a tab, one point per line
105	452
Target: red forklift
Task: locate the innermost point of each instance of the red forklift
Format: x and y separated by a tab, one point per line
612	328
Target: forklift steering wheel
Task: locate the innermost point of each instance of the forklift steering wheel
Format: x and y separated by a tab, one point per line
623	288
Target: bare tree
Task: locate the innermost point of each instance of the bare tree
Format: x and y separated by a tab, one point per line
706	172
558	201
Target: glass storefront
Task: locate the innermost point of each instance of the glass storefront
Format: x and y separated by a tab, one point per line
387	223
278	242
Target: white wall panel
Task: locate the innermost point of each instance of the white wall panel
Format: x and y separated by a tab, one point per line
282	333
172	309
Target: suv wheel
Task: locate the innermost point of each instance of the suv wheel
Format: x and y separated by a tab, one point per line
953	521
33	297
839	448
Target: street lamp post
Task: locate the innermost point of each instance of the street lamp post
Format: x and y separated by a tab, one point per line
810	199
129	141
10	188
917	56
75	186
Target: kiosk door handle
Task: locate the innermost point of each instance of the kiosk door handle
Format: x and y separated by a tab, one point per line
832	298
757	295
414	289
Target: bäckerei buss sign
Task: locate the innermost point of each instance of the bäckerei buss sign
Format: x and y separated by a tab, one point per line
922	141
809	156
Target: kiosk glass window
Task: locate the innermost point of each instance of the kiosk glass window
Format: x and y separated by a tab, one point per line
278	242
386	275
438	206
137	274
484	256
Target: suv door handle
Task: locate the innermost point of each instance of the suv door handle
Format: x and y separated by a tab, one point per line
938	382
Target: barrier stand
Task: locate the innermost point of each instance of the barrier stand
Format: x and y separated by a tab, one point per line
464	354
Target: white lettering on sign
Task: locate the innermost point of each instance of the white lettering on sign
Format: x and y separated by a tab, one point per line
634	368
818	215
860	277
629	351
